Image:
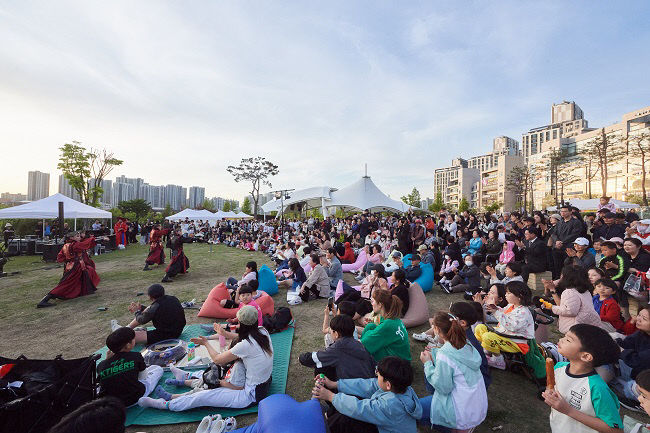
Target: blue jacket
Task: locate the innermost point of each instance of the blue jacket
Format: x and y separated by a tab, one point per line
390	412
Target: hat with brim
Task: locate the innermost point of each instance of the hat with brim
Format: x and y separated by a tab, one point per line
422	247
616	240
247	315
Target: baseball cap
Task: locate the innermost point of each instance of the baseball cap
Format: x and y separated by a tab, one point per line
581	241
616	240
422	247
397	254
609	215
247	315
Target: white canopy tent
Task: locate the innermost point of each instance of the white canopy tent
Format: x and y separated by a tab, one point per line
313	197
364	194
48	207
243	215
191	214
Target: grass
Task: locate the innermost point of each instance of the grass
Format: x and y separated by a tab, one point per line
76	328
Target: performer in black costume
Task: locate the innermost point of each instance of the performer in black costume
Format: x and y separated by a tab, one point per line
179	263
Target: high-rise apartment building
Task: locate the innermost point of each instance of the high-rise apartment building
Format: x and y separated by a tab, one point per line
196	196
122	192
7	197
174	196
38	185
136	182
66	189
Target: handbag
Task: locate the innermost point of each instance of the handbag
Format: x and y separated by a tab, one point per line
636	287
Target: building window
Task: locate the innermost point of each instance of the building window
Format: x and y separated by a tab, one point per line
547	135
554	134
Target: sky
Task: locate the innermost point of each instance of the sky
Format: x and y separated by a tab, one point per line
181	90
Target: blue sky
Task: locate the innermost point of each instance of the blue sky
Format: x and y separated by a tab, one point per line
180	90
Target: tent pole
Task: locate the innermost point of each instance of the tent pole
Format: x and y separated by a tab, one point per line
43	234
75	224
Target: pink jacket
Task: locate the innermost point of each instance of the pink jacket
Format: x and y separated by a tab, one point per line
376	258
507	256
575	308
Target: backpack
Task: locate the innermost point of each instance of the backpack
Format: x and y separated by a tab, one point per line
279	321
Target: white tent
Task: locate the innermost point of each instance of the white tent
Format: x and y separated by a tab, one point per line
364	194
312	197
48	207
190	214
243	215
228	215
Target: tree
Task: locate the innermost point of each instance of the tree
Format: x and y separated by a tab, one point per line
413	199
167	211
639	144
495	206
463	205
207	205
79	166
138	206
603	150
246	206
566	175
437	204
226	206
520	182
256	171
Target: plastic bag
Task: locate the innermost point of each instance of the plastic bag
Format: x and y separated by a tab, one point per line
635	288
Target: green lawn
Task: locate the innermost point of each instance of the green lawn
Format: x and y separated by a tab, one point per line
76	328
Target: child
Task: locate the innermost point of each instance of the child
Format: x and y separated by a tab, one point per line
244	296
447	270
460	399
123	374
605	304
581	400
507	256
635	357
643	386
345	358
345	307
388	401
515	327
467	317
596	250
497	296
612	263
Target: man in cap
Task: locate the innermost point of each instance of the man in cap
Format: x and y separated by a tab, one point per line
427	255
578	255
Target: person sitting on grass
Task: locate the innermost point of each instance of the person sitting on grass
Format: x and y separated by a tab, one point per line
605	304
459	399
386	335
346	358
253	347
294	277
244	296
388	401
581	401
249	274
512	272
165	312
467	279
515	322
343	308
317	284
123	374
104	415
643	386
497	295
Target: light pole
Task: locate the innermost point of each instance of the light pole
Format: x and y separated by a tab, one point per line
282	194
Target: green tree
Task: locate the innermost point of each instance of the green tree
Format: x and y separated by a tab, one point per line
86	169
139	207
413	199
226	206
519	182
437	204
463	205
495	206
246	206
256	171
207	205
167	211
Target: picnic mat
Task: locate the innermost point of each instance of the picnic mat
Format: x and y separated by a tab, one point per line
137	415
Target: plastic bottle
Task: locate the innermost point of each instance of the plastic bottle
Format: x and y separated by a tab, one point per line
190	352
320	380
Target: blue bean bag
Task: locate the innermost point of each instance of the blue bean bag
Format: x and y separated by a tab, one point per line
426	279
266	278
279	412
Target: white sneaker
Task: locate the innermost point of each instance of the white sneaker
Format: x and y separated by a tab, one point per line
497	361
421	336
211	424
114	325
230	424
295	301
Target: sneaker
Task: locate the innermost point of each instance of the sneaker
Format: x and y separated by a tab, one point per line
497	361
114	325
628	403
230	424
295	301
423	336
211	424
468	296
446	287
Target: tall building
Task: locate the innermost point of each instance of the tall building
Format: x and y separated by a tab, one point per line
174	196
455	182
196	196
106	199
493	186
38	185
7	197
136	182
122	192
66	189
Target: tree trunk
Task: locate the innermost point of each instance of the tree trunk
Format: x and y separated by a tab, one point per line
643	176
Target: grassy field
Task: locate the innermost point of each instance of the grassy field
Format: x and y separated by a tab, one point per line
76	328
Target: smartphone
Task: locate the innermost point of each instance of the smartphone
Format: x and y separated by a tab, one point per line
330	303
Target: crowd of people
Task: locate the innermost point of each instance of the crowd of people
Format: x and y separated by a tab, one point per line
591	270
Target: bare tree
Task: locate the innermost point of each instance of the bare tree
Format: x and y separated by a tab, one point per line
566	175
638	145
256	171
604	149
519	182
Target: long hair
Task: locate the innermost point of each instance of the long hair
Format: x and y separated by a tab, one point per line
294	264
246	331
391	303
450	327
574	277
253	267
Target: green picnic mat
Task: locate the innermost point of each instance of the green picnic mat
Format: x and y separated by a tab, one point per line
137	415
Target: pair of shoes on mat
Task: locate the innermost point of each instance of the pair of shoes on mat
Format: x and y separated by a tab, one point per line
216	424
424	337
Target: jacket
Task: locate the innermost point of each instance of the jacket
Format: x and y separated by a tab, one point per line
460	400
318	277
413	273
574	308
609	311
389	338
508	255
535	255
347	355
334	272
166	314
390	412
618	273
568	231
609	231
475	245
471	275
636	352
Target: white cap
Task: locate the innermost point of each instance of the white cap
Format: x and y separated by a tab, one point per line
582	241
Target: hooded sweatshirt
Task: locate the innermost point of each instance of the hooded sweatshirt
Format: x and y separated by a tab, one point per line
389	411
347	355
508	255
460	401
389	338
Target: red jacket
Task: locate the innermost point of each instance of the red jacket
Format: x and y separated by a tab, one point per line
611	312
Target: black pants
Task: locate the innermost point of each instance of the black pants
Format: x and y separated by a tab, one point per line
362	305
527	269
558	262
313	290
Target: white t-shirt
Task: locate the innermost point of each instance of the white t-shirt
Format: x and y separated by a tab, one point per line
236	375
258	363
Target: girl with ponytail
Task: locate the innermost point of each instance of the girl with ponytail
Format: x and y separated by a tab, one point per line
386	336
460	398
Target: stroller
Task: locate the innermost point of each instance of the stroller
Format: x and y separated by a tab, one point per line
36	394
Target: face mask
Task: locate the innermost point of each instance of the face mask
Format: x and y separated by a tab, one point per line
469	262
447	257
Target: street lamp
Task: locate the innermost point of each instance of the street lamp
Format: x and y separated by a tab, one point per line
282	195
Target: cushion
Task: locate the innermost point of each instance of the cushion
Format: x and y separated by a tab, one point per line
294	417
358	263
418	312
266	278
425	280
212	308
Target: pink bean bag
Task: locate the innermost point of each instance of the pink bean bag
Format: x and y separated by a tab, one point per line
418	312
212	308
339	289
358	263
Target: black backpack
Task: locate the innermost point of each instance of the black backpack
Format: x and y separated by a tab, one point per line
279	321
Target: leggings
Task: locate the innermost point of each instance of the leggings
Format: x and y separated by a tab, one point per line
495	343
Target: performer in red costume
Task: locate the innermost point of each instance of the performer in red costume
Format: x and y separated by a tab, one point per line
120	227
179	263
156	249
79	277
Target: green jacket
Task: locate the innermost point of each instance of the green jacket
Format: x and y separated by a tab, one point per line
389	338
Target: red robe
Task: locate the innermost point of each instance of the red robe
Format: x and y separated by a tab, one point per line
120	228
156	248
79	278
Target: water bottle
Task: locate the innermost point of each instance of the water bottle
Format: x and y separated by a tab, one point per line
320	380
190	352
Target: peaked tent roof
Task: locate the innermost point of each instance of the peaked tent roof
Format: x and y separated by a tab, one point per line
364	194
48	207
186	213
312	196
243	215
